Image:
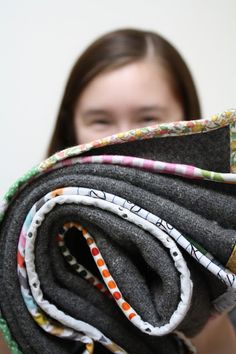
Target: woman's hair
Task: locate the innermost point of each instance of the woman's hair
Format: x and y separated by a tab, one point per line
114	50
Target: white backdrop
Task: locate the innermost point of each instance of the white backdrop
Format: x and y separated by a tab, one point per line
40	41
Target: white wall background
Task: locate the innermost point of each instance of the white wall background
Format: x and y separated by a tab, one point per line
40	41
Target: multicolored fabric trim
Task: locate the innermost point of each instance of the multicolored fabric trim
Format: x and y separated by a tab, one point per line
82	196
66	327
72	261
99	199
227	118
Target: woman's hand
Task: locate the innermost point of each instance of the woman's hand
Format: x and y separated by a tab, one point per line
217	337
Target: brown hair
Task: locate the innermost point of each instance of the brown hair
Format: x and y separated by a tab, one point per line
113	50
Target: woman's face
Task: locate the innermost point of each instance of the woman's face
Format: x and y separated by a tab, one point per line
136	95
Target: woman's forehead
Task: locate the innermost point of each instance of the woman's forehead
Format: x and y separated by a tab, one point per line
142	83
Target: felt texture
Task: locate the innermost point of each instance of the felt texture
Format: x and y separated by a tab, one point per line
200	149
202	212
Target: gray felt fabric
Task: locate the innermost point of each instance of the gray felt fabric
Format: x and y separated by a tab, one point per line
151	285
209	151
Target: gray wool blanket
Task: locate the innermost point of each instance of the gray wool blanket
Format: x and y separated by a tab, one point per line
123	245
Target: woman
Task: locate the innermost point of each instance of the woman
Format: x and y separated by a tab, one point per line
124	80
110	59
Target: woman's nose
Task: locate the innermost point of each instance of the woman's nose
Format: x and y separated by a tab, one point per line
126	125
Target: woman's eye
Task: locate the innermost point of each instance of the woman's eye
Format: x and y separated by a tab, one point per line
101	122
149	120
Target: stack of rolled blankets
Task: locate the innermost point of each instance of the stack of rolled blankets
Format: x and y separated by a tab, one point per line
122	245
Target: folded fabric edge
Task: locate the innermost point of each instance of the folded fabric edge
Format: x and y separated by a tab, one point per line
180	128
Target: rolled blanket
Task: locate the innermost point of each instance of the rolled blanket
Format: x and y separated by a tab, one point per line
122	245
